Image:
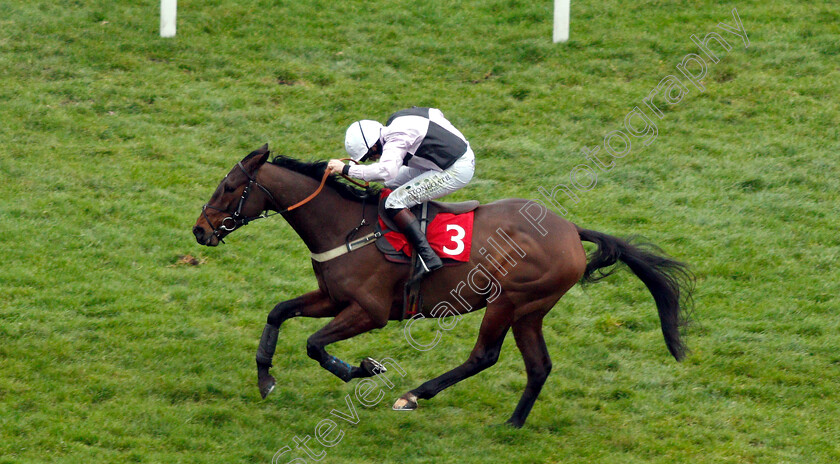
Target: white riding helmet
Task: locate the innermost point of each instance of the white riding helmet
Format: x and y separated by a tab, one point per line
360	136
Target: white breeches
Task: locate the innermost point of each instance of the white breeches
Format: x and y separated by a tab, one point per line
413	186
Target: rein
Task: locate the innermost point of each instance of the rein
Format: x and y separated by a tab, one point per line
313	195
350	179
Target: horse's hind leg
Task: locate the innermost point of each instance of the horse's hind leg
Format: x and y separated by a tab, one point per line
491	335
350	322
529	338
312	304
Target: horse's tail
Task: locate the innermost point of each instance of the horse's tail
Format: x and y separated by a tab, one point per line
670	282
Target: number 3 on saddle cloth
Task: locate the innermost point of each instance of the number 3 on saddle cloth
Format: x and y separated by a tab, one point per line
449	230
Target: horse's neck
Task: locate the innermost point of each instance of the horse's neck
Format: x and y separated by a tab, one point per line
323	222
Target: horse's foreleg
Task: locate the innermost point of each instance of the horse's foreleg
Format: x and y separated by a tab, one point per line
312	304
352	321
491	335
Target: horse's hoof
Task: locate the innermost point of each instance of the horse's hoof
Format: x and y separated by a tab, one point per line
407	402
512	423
372	367
266	386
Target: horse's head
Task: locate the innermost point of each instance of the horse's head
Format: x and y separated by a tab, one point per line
238	199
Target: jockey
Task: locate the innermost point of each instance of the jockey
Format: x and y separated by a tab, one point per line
420	155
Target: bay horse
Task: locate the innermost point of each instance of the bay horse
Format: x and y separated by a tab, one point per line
361	290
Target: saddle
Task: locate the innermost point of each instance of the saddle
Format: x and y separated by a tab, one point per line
426	214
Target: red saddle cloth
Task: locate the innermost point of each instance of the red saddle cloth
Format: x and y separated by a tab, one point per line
450	235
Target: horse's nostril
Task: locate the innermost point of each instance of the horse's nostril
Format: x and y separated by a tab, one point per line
199	233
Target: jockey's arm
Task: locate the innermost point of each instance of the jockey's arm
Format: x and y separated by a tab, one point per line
394	151
396	144
383	170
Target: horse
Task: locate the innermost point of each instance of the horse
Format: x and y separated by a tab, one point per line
527	273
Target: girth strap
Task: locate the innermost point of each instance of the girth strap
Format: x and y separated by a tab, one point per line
346	248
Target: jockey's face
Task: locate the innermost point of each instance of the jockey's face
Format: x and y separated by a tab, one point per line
375	151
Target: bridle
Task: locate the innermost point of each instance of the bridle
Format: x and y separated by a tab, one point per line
237	220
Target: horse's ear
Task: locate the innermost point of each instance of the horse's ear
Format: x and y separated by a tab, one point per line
257	157
263	153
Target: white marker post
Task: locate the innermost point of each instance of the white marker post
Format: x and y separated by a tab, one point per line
561	20
168	12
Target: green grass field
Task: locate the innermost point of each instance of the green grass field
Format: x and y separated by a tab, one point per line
113	349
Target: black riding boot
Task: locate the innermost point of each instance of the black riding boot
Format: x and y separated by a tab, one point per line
410	226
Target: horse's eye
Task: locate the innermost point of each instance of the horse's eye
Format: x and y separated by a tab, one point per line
229	189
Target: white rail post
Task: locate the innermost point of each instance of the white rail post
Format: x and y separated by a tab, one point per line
168	13
561	20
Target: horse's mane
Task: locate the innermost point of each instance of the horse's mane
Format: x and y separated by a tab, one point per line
316	169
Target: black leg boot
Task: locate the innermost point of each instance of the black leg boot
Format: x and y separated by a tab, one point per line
410	226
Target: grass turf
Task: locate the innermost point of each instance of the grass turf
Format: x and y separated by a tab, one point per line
112	349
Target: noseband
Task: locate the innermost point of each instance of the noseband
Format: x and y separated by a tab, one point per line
237	220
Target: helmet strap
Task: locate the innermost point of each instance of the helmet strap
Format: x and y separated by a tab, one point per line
370	152
364	139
